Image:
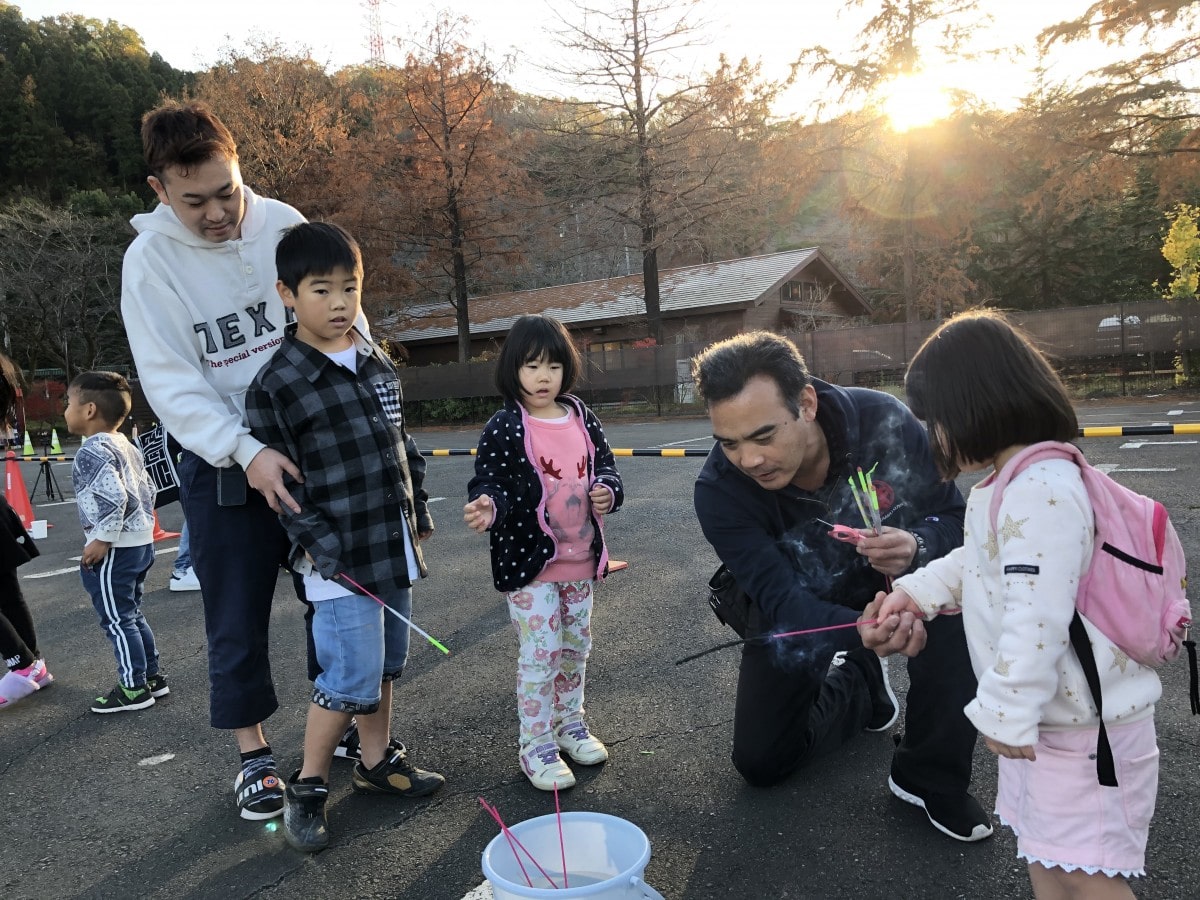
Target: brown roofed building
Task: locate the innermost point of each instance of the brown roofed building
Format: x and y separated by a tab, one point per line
795	290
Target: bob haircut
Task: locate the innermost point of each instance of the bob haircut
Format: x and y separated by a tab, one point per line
315	248
184	136
109	391
723	369
531	338
981	385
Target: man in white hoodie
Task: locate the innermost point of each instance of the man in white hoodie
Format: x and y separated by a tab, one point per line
202	316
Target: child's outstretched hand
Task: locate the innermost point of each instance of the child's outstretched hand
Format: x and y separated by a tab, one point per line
602	499
478	513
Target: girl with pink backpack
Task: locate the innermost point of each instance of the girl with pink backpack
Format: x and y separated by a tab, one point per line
986	394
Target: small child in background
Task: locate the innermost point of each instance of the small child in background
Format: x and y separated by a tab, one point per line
544	477
985	392
330	399
25	670
115	496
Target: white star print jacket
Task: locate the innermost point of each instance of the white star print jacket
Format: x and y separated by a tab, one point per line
1016	589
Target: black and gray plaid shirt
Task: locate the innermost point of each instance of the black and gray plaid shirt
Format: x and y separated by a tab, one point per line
363	473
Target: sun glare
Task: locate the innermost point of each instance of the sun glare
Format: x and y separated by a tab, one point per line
913	101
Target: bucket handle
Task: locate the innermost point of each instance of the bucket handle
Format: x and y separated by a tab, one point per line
648	892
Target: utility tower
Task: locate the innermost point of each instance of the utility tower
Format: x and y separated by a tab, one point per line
375	32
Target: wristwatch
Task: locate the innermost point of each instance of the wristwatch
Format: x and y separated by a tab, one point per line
921	557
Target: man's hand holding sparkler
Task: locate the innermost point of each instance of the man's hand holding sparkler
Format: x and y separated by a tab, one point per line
890	552
893	623
478	514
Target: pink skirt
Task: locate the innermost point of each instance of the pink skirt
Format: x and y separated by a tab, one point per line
1061	814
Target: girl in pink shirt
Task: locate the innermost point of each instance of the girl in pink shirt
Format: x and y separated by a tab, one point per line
544	478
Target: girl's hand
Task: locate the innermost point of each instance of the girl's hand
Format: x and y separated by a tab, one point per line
478	513
602	499
898	628
1008	751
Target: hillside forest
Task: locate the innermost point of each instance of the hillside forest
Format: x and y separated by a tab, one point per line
458	185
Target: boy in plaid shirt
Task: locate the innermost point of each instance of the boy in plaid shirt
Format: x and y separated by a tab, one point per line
330	400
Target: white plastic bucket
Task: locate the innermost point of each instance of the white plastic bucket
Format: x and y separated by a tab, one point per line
606	857
37	529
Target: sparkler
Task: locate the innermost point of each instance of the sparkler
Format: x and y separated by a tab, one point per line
514	843
411	624
562	846
774	637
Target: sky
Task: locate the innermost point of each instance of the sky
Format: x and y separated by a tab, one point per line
771	31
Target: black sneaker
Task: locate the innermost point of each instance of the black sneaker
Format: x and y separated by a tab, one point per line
158	685
304	822
397	776
260	797
958	815
123	699
885	708
349	748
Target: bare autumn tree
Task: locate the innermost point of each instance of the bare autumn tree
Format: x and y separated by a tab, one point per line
448	185
643	139
1143	104
890	47
291	123
61	275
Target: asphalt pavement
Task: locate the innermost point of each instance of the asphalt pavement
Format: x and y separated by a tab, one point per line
141	804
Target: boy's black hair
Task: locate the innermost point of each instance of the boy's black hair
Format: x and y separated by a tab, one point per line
175	134
722	369
981	385
109	391
315	248
530	338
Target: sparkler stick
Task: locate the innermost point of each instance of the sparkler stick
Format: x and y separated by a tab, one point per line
772	637
858	501
562	847
411	624
513	839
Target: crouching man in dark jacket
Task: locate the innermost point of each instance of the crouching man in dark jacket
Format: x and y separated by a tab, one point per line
766	498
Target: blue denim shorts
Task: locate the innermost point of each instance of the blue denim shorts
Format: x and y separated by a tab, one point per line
359	646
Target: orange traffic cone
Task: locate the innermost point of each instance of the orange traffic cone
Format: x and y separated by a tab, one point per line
14	490
159	534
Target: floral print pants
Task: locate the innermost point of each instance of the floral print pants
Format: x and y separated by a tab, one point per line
554	624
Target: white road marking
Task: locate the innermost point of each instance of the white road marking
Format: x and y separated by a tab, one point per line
1137	445
1122	469
1175	412
54	572
156	760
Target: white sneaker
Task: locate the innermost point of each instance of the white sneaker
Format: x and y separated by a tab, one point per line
545	768
185	582
580	744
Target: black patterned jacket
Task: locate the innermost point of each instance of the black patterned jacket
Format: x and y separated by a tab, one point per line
363	473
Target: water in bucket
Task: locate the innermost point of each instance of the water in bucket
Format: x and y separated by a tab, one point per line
606	857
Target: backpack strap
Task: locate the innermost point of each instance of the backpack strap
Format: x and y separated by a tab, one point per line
1106	770
1193	681
1024	458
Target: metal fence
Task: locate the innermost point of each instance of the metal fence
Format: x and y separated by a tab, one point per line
1101	350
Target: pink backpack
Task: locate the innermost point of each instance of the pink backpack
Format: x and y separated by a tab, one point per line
1134	589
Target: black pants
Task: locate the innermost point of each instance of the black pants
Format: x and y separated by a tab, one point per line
237	552
18	640
790	712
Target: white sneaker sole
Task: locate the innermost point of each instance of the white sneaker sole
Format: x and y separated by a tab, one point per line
978	834
887	685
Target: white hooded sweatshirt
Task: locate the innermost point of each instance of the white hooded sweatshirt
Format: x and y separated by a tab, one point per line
202	318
